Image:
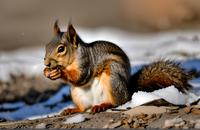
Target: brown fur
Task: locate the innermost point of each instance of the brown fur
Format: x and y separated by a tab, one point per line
162	74
105	82
71	73
56	28
103	68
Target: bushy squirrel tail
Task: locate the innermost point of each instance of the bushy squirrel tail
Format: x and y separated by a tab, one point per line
162	74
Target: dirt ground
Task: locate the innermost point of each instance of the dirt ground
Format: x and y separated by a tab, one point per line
139	117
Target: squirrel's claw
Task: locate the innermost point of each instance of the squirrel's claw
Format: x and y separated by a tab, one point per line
101	107
55	74
46	72
52	74
69	111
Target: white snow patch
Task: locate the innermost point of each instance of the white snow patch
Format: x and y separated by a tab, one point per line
75	119
148	47
170	94
139	48
42	116
141	97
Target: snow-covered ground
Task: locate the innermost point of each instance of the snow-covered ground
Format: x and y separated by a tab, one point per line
183	46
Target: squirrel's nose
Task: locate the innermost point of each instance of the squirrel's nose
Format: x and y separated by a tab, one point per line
51	63
47	62
48	65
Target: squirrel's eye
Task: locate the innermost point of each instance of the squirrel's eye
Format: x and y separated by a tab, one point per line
61	49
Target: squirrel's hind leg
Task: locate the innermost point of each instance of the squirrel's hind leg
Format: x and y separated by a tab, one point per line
101	107
114	83
120	75
103	96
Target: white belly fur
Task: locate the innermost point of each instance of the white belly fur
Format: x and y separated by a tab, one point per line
90	96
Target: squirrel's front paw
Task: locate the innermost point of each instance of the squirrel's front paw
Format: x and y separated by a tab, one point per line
52	74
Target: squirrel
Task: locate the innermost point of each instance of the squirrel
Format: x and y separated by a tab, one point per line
99	73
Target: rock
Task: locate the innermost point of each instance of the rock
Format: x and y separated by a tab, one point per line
173	122
49	125
75	119
192	109
136	125
40	126
196	111
148	110
187	109
113	125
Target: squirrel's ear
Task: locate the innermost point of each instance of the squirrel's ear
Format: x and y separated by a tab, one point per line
72	36
56	28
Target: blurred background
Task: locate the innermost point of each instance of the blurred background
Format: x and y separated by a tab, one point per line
29	22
